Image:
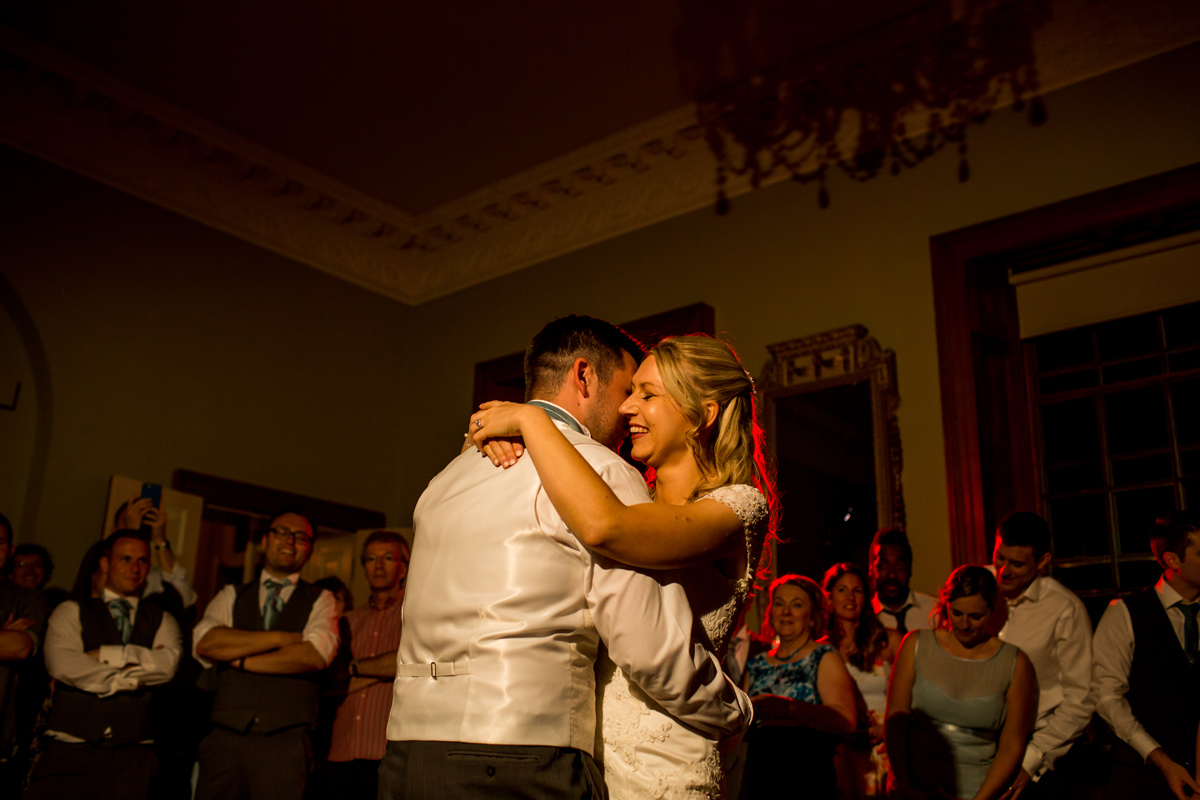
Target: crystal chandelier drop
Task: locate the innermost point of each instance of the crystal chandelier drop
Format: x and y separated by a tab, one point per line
887	98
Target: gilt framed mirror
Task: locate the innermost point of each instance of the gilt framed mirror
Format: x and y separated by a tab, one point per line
829	406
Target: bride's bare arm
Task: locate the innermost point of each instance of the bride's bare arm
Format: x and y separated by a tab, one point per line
648	535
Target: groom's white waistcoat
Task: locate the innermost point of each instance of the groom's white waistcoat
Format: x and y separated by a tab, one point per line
504	611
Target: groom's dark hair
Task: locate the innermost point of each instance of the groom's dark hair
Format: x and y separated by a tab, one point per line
552	352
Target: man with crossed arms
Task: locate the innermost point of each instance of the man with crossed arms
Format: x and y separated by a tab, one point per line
105	654
269	640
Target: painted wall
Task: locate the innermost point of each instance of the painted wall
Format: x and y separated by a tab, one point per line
172	346
18	424
777	267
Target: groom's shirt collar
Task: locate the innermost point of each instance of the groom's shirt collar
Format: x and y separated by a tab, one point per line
560	414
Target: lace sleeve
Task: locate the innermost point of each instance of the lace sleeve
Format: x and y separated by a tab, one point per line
751	508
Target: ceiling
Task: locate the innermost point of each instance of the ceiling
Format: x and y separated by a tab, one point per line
413	103
425	134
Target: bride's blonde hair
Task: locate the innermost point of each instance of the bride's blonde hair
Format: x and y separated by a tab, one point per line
699	369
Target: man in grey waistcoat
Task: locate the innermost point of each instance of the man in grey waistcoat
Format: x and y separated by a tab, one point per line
269	642
106	654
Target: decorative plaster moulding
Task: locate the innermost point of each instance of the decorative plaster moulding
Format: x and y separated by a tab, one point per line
77	117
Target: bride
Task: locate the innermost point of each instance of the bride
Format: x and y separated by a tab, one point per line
692	421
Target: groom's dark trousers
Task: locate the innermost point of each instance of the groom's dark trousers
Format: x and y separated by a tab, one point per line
464	771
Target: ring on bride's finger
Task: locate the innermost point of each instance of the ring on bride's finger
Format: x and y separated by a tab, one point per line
478	423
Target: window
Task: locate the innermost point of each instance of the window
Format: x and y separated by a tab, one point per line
1117	410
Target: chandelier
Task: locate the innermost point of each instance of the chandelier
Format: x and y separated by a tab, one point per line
885	98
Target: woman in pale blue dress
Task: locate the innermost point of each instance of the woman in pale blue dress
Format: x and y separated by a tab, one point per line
961	702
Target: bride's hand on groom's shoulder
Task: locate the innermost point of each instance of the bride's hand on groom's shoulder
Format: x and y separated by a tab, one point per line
496	431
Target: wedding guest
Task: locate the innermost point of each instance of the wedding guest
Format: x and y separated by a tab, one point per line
30	568
896	605
802	694
342	598
360	730
961	702
868	648
1050	625
1145	678
22	627
106	654
269	640
166	571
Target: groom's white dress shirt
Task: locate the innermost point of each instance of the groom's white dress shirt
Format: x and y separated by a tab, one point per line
504	612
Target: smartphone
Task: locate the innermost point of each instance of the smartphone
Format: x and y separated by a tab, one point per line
154	492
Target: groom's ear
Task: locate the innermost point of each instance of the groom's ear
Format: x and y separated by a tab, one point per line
583	377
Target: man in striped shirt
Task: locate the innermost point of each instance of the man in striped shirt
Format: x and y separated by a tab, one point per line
360	729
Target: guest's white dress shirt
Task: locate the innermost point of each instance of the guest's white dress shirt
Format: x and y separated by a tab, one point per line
505	610
320	630
66	660
916	608
1050	624
1113	658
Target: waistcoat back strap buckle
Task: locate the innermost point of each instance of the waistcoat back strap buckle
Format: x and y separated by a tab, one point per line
434	669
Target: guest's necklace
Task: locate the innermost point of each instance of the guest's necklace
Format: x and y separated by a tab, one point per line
791	655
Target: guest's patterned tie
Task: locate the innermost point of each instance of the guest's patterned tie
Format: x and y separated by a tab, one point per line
120	613
274	604
1191	632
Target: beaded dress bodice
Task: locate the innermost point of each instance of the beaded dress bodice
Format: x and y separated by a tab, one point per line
646	752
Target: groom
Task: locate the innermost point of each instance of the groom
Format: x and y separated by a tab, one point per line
504	610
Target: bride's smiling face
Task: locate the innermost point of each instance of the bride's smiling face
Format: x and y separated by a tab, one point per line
657	427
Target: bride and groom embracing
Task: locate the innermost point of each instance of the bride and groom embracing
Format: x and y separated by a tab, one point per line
545	574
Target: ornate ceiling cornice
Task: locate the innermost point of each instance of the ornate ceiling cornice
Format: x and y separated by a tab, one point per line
72	115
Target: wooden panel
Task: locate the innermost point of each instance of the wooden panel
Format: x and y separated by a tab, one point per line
231	494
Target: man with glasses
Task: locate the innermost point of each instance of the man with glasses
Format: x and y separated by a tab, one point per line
360	730
269	641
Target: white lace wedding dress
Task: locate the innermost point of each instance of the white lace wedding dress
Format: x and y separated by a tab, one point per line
647	753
